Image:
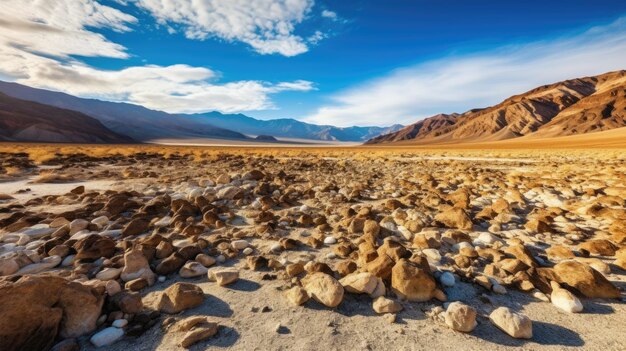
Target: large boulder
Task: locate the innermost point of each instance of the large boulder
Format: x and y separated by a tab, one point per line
359	283
323	288
411	282
35	310
585	279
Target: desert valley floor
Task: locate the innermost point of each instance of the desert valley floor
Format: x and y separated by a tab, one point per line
312	248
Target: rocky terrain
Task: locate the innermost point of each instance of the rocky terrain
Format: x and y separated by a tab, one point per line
571	107
160	248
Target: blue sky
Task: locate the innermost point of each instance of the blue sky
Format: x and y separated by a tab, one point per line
335	62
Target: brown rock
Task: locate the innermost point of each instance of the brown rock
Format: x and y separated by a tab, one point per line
93	247
135	227
178	297
600	247
411	282
454	218
585	279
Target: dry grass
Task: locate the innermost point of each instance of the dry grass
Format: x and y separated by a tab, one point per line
42	153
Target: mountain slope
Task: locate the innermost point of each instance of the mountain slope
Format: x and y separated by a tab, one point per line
566	108
290	128
135	121
22	120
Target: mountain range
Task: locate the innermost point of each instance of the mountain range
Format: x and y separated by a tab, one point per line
143	124
570	107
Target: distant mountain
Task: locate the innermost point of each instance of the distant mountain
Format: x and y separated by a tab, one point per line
575	106
290	128
22	120
138	122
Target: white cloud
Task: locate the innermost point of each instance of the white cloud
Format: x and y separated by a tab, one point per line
329	14
268	26
457	84
39	42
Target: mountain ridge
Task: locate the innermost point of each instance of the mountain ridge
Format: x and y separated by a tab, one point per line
570	107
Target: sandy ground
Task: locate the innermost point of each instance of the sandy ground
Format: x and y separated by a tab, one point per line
353	325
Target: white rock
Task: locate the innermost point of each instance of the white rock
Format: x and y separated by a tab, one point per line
515	324
68	261
109	273
163	222
329	240
248	251
564	299
38	231
107	336
447	279
192	269
120	323
46	263
432	255
498	289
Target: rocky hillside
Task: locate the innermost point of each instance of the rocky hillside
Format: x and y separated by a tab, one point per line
570	107
22	120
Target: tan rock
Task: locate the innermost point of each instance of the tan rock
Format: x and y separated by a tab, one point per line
515	324
323	288
585	279
411	282
460	317
384	305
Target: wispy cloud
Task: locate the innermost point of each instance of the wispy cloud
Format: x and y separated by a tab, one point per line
40	40
459	83
268	26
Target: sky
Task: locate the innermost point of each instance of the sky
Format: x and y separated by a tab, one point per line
327	62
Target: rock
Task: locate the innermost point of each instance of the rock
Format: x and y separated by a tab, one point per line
109	273
454	218
77	225
178	297
127	302
170	265
381	266
32	319
384	305
515	324
329	240
585	279
296	296
192	269
66	345
460	317
8	266
205	260
359	283
107	336
559	252
136	284
323	288
43	265
447	279
119	323
93	247
239	244
411	282
136	266
599	247
564	299
224	277
135	227
199	333
112	287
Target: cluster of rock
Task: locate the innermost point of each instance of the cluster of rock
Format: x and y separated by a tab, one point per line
326	228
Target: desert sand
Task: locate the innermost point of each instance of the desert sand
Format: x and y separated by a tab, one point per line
305	248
